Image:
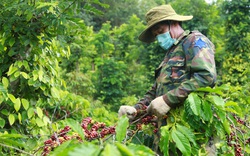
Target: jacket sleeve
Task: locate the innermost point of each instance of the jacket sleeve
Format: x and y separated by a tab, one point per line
199	53
148	97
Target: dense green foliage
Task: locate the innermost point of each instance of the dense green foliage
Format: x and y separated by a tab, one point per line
61	61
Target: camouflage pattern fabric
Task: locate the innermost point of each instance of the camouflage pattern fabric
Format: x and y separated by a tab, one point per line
188	65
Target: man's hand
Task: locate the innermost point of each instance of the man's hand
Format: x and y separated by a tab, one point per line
158	107
127	110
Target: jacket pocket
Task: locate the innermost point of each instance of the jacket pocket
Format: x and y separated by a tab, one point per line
178	71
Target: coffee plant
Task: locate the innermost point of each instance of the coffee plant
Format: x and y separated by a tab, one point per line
205	117
92	132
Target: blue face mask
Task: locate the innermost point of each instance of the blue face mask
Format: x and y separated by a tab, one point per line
165	40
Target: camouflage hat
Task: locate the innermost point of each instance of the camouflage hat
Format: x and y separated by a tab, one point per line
156	15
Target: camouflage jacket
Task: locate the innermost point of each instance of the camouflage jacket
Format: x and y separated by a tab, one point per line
188	65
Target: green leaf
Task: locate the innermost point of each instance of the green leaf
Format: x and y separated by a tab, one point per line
226	126
40	75
187	132
11	119
86	149
231	103
55	93
11	41
1	97
221	114
5	112
121	128
12	142
217	90
25	103
35	75
140	150
1	47
219	129
205	89
19	64
11	52
46	120
11	70
12	98
54	126
110	150
207	113
217	100
5	82
31	144
25	75
39	122
19	118
233	107
17	74
2	89
10	139
39	112
60	150
17	104
195	103
182	142
222	118
31	112
75	127
29	15
2	135
2	122
44	4
68	51
124	150
26	65
231	110
164	140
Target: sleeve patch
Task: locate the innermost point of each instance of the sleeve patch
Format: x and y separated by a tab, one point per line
199	43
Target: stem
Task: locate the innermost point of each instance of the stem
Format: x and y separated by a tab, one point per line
233	125
67	8
64	117
105	139
134	135
244	140
139	118
173	117
38	150
54	113
138	139
22	151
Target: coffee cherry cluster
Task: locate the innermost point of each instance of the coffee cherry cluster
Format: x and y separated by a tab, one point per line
148	120
143	118
239	120
233	141
248	141
92	130
56	139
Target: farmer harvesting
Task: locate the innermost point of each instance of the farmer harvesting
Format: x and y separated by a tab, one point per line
188	64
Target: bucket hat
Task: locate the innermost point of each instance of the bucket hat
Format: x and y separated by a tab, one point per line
156	15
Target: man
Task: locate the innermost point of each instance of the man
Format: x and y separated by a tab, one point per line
188	64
